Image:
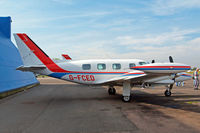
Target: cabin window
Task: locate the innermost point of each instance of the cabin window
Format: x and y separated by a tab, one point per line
132	65
86	66
116	66
142	63
101	66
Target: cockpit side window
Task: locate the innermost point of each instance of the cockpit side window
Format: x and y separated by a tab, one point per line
131	65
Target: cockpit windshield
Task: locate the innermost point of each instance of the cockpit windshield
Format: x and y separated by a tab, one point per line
143	63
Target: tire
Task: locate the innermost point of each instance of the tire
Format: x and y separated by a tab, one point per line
126	98
114	91
111	91
168	93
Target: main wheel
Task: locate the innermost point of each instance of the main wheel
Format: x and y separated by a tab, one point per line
126	98
111	91
168	93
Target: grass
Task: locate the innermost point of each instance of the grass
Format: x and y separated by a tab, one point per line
191	102
42	76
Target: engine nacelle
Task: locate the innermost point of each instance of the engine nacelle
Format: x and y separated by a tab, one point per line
163	68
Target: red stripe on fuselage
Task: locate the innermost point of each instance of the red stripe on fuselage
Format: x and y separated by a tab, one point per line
161	67
134	73
186	74
40	54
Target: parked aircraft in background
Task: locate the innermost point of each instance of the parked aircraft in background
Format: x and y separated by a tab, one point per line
66	57
110	72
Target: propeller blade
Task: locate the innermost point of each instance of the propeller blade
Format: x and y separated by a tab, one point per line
153	61
171	59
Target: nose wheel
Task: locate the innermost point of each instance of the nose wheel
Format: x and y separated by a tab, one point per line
111	91
168	90
168	93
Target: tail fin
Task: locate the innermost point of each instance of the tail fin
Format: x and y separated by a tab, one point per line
32	55
27	55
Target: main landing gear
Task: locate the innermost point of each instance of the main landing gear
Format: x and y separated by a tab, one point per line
168	90
126	95
111	91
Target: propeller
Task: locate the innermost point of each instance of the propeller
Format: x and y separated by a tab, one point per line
153	61
175	75
171	59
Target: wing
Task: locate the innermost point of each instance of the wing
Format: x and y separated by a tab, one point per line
128	76
137	77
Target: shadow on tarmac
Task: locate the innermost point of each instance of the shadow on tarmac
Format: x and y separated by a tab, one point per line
99	93
170	102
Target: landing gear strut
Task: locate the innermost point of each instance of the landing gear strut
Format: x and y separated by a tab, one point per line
111	91
168	90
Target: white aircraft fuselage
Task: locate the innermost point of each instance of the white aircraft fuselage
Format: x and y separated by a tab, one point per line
93	76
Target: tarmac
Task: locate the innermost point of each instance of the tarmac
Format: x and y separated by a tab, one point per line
58	106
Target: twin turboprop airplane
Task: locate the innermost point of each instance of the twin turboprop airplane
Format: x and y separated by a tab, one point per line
110	72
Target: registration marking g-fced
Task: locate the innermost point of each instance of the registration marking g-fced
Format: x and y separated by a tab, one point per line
82	77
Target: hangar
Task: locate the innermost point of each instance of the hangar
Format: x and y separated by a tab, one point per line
10	59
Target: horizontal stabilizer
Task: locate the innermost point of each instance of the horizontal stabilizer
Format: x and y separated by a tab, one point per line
30	68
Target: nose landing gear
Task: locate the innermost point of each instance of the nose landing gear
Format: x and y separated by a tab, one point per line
168	90
168	93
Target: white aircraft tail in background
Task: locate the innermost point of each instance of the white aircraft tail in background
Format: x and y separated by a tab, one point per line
110	72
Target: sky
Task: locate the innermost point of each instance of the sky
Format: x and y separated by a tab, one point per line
100	29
